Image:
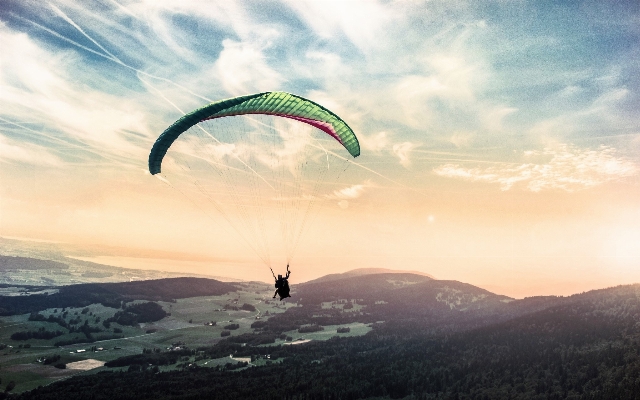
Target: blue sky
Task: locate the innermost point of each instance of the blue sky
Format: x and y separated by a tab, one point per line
503	136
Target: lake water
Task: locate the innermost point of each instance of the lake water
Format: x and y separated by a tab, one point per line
220	270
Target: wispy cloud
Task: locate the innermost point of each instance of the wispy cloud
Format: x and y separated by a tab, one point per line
565	167
363	23
11	151
350	192
403	152
243	69
376	142
40	86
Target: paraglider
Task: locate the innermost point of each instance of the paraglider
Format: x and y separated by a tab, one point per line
250	158
282	285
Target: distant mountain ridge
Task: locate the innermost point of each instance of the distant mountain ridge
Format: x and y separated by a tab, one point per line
381	286
35	268
365	271
404	297
27	263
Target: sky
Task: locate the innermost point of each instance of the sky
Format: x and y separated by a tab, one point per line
500	140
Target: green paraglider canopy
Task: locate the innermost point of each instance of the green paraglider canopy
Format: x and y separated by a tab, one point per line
270	103
261	163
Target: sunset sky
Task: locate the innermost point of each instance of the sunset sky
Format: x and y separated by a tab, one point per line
500	139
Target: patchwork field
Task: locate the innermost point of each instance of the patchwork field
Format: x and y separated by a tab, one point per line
193	322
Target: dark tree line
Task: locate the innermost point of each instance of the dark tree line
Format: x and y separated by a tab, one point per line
136	313
114	294
39	334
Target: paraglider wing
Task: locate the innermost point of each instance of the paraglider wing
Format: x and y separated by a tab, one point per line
271	103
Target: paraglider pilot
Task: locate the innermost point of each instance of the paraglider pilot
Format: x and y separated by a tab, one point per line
282	286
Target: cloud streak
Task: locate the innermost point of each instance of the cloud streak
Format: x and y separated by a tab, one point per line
11	151
567	168
350	192
403	152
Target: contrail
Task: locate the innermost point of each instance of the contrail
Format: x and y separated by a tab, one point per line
115	60
23	122
445	153
607	136
70	21
66	39
162	95
125	9
41	134
465	160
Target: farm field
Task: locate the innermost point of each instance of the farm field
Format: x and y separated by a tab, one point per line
192	322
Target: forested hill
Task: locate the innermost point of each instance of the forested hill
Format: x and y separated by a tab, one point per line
112	294
354	287
403	300
364	271
581	347
166	289
405	288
